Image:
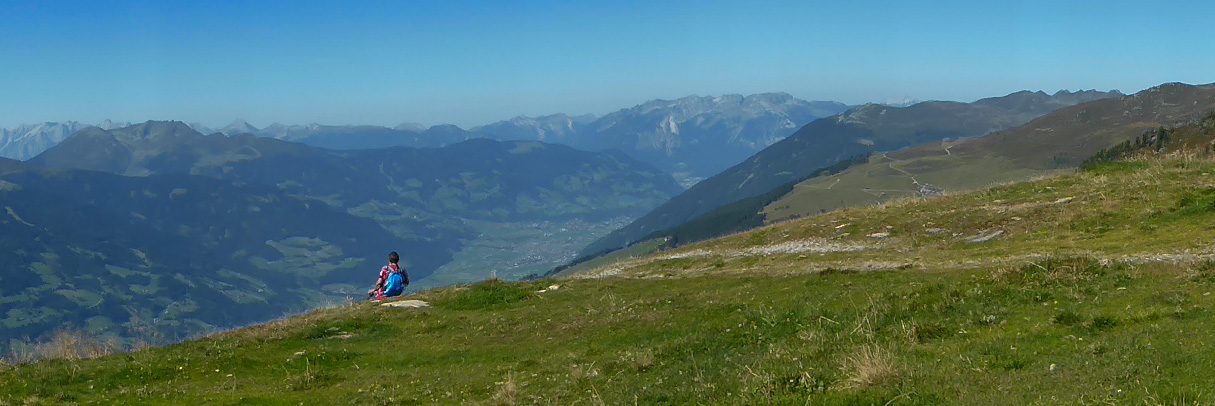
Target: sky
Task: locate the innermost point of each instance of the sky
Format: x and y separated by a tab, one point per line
474	62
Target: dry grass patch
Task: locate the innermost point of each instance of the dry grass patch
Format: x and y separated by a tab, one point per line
870	366
74	345
506	393
638	361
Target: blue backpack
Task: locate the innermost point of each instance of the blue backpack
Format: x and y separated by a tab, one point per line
397	280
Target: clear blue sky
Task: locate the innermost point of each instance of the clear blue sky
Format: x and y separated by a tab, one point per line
473	62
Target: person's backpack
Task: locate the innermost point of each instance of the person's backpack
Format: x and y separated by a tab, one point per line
397	280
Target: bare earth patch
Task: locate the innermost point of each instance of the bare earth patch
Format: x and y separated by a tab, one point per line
812	245
407	304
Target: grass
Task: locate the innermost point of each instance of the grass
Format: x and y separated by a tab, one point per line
64	343
878	182
1092	297
634	251
870	366
986	335
1156	209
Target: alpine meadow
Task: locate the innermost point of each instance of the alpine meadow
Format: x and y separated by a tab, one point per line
606	203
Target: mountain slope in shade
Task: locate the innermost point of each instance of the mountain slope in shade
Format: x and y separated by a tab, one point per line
168	256
826	141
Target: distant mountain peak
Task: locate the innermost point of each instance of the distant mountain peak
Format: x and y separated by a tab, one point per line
904	101
409	126
153	129
445	127
110	125
239	126
769	98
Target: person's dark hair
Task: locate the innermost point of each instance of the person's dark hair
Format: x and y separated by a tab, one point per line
393	257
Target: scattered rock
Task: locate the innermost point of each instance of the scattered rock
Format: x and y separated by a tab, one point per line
408	304
842	226
549	289
1053	368
879	235
686	254
301	353
1064	200
985	236
607	273
934	230
815	245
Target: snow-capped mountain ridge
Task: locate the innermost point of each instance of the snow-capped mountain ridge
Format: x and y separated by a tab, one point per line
29	140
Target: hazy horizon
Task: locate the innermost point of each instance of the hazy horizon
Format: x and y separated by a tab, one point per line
474	63
259	125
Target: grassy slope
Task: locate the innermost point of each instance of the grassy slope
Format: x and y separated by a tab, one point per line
1092	293
886	178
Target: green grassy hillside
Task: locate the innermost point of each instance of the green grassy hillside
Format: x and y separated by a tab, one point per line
1058	140
1082	288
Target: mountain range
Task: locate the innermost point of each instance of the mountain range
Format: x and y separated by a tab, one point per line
1059	140
692	137
248	220
25	142
827	141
